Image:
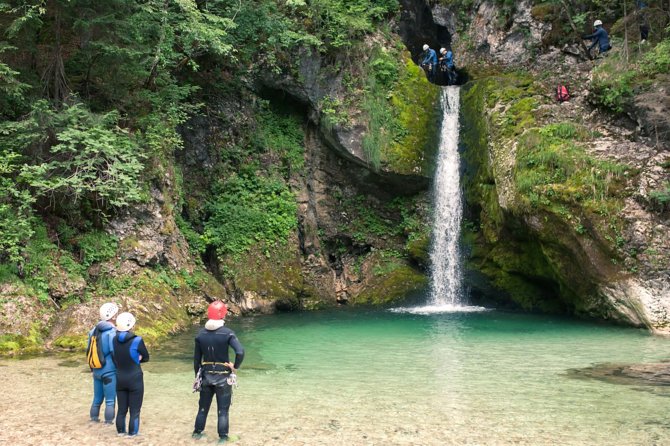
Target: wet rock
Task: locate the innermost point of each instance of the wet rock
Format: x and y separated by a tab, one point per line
653	374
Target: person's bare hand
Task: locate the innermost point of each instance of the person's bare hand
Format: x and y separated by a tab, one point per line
230	365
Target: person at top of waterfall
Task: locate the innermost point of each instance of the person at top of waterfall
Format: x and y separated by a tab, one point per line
447	65
129	352
211	361
104	378
643	20
429	62
599	38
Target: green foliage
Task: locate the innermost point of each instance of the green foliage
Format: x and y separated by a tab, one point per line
76	154
247	210
95	247
658	59
196	244
660	199
366	222
12	89
401	106
16	215
281	132
332	113
612	88
553	168
338	23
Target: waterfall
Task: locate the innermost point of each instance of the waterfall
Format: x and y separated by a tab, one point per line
446	287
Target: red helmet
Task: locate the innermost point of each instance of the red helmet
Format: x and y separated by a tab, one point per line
217	310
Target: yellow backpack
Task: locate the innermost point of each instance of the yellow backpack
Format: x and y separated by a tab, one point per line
94	354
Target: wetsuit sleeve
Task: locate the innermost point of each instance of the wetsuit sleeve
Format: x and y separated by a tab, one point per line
110	342
142	350
197	356
239	351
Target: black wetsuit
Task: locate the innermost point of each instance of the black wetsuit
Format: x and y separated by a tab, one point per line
129	352
211	351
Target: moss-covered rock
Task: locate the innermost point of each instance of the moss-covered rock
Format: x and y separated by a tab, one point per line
415	102
71	342
389	278
532	189
23	344
271	277
418	249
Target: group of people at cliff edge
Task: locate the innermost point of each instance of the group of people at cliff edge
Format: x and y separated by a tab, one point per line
114	354
431	63
445	64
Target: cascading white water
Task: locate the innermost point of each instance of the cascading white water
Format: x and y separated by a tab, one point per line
446	287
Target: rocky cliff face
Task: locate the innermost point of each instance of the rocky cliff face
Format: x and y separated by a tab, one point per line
361	234
535	229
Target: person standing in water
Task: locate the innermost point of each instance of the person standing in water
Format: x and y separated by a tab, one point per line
129	352
104	378
211	359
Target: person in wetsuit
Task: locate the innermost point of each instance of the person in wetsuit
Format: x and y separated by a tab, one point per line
429	62
447	65
599	38
104	379
211	354
129	352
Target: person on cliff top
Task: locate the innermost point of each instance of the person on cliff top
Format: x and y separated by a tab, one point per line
212	364
129	352
599	37
429	62
643	20
104	378
447	65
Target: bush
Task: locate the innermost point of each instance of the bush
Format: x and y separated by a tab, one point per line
77	155
658	59
96	246
249	210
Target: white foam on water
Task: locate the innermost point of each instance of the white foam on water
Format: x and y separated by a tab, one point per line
439	309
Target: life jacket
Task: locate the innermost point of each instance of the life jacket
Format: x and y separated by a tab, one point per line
562	93
94	354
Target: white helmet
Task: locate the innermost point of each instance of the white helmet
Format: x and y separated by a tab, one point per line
108	311
443	50
598	23
425	47
125	322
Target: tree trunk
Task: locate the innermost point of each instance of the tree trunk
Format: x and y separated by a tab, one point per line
575	30
54	78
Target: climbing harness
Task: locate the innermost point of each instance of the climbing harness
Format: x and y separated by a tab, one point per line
197	384
232	380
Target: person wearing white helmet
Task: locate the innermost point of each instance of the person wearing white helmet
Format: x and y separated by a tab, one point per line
447	65
129	352
429	62
104	377
599	37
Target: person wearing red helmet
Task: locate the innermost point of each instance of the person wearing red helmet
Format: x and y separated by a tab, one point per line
211	359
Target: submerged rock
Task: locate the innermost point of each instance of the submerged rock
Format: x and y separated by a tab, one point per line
653	374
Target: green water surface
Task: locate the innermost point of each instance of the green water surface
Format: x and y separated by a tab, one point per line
457	378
